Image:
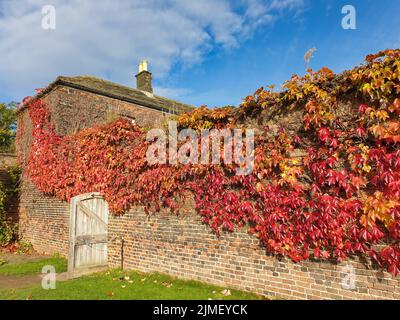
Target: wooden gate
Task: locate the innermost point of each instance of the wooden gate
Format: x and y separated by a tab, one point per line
88	233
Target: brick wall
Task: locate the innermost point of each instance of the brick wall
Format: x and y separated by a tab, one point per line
74	109
7	159
183	247
43	220
11	206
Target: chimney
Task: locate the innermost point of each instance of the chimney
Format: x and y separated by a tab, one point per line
143	78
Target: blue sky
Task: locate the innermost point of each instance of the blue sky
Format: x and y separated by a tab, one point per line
205	52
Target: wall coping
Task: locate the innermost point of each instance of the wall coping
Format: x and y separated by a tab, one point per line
8	154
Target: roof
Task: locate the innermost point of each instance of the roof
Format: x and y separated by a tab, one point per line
120	92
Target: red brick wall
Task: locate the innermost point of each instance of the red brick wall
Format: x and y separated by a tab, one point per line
43	220
11	205
183	247
74	109
7	159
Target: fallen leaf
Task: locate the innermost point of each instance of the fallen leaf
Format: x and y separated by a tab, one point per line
226	292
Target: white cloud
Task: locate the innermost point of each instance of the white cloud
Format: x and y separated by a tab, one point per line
107	38
286	4
173	93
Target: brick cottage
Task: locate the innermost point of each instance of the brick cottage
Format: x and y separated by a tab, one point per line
163	242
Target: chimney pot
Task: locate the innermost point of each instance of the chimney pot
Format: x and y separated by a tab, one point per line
144	78
144	65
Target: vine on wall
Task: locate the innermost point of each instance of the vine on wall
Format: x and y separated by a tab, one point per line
340	199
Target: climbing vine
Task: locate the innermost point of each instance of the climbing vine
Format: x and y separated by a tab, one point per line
327	188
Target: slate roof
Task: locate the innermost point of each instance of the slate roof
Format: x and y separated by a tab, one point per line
120	92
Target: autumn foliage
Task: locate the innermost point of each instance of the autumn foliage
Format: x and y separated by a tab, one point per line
328	190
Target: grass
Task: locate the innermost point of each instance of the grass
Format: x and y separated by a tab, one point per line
33	267
118	285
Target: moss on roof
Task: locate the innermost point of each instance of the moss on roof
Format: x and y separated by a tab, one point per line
120	92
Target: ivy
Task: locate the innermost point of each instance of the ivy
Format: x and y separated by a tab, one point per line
339	198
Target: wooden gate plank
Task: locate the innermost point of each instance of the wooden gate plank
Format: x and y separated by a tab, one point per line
90	239
92	215
88	233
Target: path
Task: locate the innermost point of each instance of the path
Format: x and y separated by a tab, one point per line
20	258
12	282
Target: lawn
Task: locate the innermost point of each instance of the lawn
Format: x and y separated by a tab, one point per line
118	285
33	267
